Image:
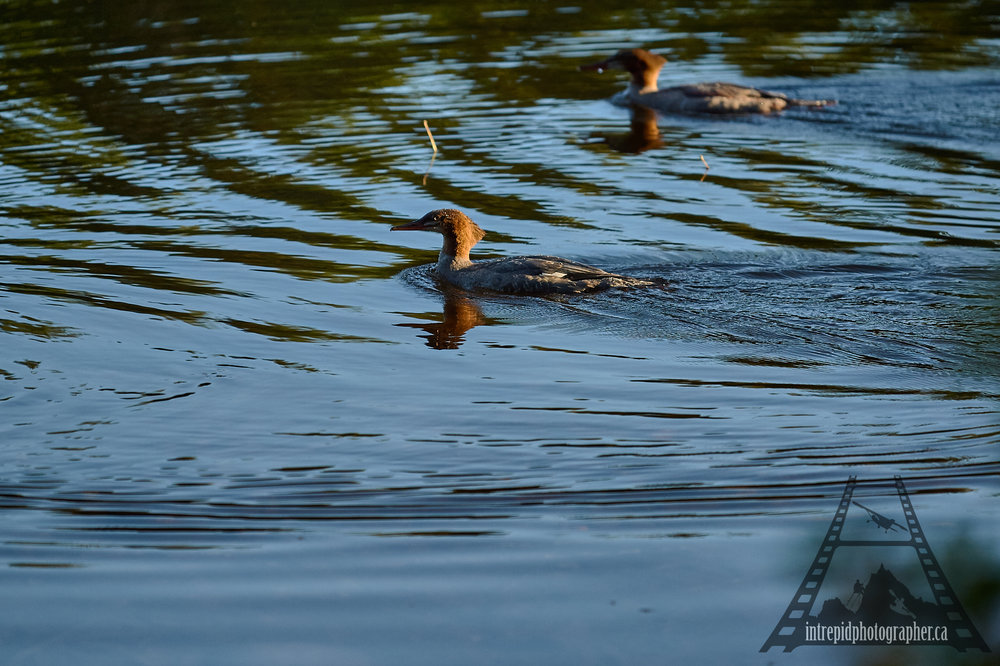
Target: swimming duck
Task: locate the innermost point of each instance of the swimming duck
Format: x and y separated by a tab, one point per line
695	98
514	275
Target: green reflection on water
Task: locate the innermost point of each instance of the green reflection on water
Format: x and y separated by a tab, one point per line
125	67
122	108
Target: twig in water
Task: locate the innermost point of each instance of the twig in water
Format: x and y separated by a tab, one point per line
431	137
433	157
702	158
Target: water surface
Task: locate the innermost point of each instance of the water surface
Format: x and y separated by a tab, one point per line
243	423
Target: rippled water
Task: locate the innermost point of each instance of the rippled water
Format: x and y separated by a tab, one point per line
243	423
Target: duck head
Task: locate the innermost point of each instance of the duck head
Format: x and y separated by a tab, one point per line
460	233
640	63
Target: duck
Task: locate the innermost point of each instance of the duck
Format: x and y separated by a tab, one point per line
697	98
537	275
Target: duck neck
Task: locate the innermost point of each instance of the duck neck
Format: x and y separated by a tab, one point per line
454	254
644	82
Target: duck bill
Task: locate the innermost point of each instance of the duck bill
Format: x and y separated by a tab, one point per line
415	225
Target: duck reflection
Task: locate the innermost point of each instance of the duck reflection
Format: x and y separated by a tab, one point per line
643	134
461	314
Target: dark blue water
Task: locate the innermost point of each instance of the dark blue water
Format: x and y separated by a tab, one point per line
242	423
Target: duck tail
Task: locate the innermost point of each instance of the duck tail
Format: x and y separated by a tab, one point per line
815	103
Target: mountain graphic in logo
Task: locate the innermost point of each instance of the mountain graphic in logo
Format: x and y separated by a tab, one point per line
883	601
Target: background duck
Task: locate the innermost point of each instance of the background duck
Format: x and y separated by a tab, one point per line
694	98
